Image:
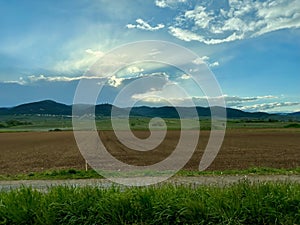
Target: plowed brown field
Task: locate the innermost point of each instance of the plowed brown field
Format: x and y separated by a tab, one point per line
38	151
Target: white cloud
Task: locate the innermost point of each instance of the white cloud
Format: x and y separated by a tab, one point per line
162	97
214	64
21	81
94	53
115	81
171	93
205	59
187	35
268	106
231	101
239	20
200	16
168	3
237	99
185	77
143	25
201	60
161	3
168	91
130	26
34	79
134	69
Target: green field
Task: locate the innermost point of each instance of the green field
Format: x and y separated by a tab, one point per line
241	203
55	123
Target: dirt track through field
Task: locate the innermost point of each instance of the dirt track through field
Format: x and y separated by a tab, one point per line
39	151
178	180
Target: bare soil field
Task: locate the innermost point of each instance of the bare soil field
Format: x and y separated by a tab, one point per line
24	152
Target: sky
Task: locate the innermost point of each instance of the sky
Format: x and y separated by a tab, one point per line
252	47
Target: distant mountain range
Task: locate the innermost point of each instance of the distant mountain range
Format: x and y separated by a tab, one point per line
49	107
295	114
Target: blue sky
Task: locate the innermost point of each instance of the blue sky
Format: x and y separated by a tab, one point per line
252	47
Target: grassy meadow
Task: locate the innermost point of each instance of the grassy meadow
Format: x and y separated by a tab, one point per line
56	123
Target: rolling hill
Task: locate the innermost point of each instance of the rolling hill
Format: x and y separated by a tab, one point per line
49	107
295	114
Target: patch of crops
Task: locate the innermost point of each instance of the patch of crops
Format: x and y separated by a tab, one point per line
293	125
242	203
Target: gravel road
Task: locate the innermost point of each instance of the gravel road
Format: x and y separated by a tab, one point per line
104	183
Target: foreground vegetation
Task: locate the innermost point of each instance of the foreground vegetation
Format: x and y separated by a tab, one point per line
242	203
82	174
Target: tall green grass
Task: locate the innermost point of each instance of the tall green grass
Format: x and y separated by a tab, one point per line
242	203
